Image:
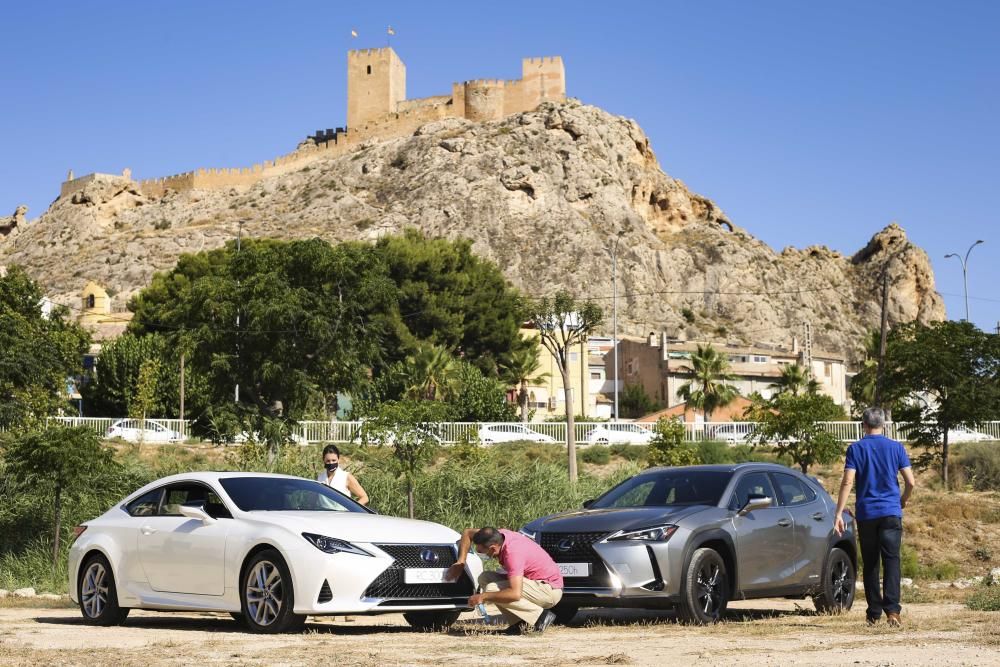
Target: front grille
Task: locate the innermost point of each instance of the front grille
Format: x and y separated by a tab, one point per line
389	585
576	548
325	594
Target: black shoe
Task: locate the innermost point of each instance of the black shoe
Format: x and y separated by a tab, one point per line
545	620
872	620
516	629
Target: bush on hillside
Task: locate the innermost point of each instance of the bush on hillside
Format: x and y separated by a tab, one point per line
980	465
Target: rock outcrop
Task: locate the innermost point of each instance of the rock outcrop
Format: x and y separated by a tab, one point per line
544	194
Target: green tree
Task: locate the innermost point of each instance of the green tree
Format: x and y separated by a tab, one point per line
519	366
794	380
144	400
668	448
60	459
37	352
950	375
408	427
312	320
635	402
791	421
450	297
429	373
563	323
479	398
708	390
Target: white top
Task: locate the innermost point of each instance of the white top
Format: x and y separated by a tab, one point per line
338	482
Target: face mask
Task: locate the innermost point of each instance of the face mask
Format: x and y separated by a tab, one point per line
330	467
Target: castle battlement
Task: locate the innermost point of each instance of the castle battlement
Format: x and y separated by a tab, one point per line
377	108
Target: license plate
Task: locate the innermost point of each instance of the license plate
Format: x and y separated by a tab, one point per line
574	569
424	575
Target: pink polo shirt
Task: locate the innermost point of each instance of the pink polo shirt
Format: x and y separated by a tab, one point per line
520	556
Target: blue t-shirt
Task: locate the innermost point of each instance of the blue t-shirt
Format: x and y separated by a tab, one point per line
877	461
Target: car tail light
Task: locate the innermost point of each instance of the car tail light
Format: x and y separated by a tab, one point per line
78	531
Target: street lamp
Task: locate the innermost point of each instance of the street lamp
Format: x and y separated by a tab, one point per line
614	310
965	272
236	392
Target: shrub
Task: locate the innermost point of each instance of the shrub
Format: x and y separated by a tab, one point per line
628	452
668	448
713	451
986	598
980	461
983	553
596	454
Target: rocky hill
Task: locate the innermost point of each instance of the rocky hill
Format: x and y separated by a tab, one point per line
544	194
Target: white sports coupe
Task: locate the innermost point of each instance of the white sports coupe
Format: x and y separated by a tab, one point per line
268	549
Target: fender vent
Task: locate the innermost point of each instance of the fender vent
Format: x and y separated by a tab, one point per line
325	594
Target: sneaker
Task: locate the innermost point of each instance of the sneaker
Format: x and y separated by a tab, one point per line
516	629
871	620
545	620
893	620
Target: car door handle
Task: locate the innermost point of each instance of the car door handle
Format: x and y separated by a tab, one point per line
784	523
147	530
819	516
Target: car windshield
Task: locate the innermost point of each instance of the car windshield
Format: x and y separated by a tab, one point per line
667	487
282	494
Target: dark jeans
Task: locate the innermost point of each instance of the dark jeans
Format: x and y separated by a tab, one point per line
880	541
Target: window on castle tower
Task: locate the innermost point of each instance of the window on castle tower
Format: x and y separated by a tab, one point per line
369	69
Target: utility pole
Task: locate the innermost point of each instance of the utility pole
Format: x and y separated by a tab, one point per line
182	386
807	351
614	310
883	334
236	393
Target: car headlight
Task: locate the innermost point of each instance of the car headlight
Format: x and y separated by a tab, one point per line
530	534
333	546
651	534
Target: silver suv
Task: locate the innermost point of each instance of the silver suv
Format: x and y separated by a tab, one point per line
695	537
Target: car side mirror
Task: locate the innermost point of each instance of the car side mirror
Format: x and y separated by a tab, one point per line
754	502
196	511
588	503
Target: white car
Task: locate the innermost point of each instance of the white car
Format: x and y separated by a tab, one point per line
131	430
732	433
510	432
963	434
619	432
268	549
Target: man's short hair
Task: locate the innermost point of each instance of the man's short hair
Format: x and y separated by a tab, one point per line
873	417
488	536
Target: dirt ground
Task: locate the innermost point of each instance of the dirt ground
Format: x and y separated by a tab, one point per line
771	632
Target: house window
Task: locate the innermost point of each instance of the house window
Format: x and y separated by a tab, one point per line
369	69
595	376
91	301
573	356
828	369
759	359
737	359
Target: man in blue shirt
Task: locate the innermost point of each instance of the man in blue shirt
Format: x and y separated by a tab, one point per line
875	461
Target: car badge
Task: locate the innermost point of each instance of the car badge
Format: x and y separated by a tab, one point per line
429	556
565	544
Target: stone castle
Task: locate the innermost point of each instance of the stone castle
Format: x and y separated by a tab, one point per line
377	109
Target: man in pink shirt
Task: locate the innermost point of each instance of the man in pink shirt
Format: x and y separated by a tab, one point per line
531	586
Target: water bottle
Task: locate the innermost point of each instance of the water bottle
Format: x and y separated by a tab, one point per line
481	608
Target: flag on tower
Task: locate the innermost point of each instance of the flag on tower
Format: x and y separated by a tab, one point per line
391	31
354	33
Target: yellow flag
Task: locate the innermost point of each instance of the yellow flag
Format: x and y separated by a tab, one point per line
391	31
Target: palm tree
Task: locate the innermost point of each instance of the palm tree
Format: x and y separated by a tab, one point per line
795	379
864	383
708	389
517	367
429	373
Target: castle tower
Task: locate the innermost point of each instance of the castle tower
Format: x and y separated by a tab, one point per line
543	79
376	83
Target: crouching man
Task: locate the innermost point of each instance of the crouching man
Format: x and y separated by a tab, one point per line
531	586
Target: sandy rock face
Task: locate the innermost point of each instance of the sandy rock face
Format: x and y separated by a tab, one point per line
544	194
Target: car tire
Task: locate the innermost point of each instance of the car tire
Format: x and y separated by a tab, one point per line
565	612
98	594
705	591
839	580
431	621
602	441
267	598
239	618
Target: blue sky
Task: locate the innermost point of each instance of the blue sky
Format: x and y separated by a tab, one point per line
807	122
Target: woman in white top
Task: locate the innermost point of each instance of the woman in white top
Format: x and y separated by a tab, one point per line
339	479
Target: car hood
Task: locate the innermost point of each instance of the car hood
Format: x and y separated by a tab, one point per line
357	527
612	519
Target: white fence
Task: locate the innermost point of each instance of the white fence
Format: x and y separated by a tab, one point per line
453	432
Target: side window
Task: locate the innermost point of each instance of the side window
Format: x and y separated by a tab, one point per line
215	507
146	504
178	494
752	483
792	491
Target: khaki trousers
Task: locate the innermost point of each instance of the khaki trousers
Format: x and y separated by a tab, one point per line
536	596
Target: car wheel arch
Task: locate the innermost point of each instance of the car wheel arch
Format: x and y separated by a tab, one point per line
256	549
722	543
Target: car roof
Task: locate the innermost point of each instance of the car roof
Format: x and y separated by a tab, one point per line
214	475
725	467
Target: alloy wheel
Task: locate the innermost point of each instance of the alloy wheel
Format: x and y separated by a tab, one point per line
264	593
710	589
94	592
841	582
